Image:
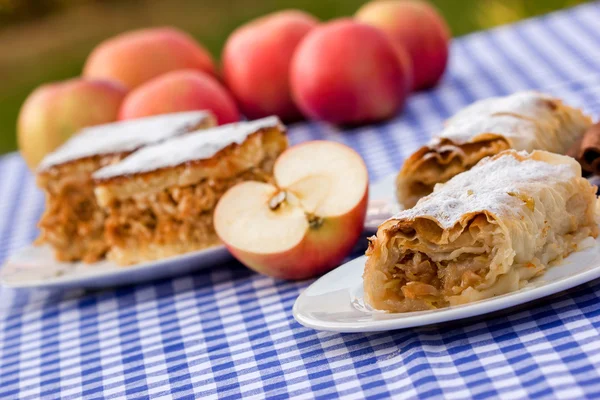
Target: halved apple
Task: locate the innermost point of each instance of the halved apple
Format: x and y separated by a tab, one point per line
307	221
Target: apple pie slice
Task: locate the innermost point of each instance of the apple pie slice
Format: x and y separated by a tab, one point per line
72	222
160	200
484	233
522	121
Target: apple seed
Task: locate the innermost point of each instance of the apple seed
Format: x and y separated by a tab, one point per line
277	199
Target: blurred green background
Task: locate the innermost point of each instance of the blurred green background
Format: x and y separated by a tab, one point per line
48	40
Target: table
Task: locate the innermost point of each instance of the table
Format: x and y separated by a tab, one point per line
227	332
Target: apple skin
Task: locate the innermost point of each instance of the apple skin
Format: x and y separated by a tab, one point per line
416	27
135	57
256	61
176	91
320	251
346	72
52	113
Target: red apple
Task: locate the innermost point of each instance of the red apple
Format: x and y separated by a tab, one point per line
416	27
307	221
135	57
347	72
256	62
185	90
54	112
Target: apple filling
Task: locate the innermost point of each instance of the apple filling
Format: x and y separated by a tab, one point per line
175	220
440	163
421	272
73	223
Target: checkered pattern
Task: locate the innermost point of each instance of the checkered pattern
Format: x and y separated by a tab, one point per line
228	333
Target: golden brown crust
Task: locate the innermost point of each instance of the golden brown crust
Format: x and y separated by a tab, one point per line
227	162
431	165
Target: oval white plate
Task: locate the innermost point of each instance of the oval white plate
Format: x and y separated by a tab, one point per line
34	266
335	302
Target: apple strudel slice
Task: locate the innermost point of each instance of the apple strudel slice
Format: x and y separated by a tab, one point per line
72	222
160	200
522	121
484	233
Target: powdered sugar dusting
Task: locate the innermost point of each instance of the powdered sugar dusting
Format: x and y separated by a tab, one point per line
199	145
486	186
527	120
515	117
521	133
123	136
528	104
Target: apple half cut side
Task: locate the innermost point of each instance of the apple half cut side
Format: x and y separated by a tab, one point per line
307	221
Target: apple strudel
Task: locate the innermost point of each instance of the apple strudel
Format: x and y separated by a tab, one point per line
522	121
72	222
160	200
484	233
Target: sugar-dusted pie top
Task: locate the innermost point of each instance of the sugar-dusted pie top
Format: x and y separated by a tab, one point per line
195	146
491	185
124	136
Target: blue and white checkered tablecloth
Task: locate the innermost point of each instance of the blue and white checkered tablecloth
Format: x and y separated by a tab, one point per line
228	333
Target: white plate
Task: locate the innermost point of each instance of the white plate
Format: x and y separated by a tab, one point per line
35	266
335	302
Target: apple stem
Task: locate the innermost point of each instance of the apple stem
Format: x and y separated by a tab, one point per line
314	221
277	199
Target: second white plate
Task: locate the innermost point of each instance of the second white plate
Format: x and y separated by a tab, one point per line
335	302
